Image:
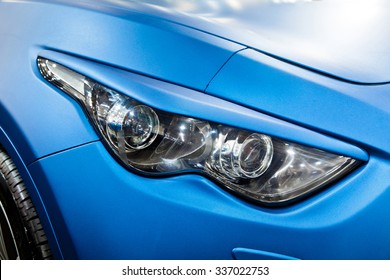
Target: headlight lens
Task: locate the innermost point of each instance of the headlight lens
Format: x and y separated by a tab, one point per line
259	167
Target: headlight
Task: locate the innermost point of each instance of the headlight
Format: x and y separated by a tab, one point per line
259	167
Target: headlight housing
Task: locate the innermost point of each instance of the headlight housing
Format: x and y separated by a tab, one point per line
259	167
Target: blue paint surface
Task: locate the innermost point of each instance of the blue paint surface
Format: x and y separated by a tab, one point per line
177	61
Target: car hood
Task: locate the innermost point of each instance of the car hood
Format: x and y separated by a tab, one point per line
345	39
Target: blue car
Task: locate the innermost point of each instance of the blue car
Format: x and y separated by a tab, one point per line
195	129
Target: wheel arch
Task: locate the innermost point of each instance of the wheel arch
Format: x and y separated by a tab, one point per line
7	144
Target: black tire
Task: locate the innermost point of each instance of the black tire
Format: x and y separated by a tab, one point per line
22	235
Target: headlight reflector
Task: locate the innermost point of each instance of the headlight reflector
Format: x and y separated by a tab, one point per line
257	166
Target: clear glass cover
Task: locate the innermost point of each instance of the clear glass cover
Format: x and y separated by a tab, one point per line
259	167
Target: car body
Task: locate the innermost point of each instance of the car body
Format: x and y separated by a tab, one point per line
315	73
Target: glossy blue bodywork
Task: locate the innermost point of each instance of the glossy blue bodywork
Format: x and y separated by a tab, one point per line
185	62
344	39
